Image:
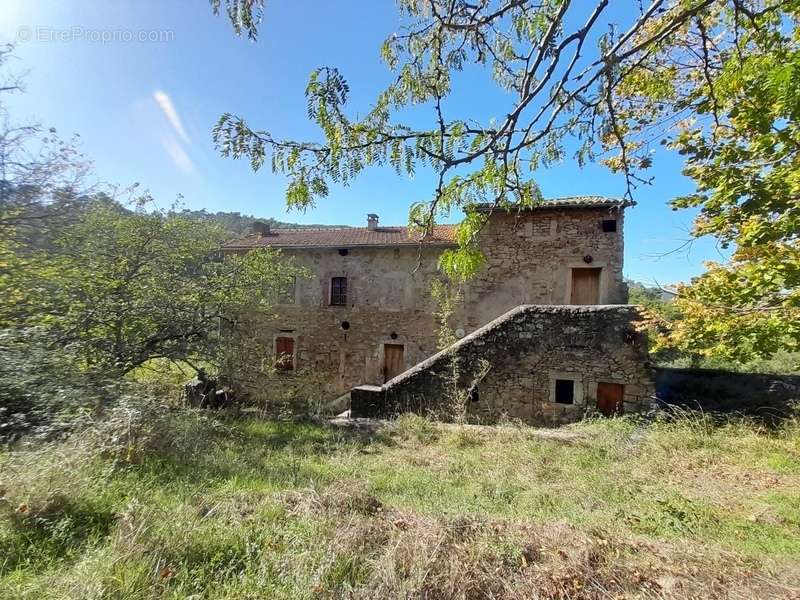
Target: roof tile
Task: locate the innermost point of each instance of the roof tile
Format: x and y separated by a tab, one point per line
349	237
345	237
572	202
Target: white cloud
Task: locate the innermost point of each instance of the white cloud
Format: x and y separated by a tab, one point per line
177	154
168	108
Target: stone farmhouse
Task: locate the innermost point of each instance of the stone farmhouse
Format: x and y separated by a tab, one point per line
544	333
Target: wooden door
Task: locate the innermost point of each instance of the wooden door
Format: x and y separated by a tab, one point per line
585	286
393	363
609	398
284	353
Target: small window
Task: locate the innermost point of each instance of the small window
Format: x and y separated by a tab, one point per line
609	225
284	353
338	291
565	391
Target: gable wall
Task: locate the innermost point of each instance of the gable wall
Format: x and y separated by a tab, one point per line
529	257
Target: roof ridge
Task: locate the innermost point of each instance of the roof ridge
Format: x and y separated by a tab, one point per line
585	201
604	197
331	228
352	228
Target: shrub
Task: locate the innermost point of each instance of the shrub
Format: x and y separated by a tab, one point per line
411	426
45	393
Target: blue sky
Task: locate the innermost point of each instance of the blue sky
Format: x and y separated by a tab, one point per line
145	109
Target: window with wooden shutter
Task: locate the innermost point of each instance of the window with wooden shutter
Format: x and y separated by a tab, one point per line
338	291
284	353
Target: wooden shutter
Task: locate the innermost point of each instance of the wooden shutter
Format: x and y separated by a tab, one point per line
326	291
338	291
585	286
284	353
351	291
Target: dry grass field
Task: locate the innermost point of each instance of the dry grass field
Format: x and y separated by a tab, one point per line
201	507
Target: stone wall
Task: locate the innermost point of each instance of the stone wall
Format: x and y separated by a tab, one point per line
338	347
530	255
508	368
756	394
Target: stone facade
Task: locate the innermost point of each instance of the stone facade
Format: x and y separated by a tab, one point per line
511	367
339	347
530	255
530	258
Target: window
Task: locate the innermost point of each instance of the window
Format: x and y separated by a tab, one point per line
338	291
284	353
609	225
565	391
566	388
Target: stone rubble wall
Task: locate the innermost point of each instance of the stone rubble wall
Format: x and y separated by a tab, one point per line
529	256
710	390
388	303
508	367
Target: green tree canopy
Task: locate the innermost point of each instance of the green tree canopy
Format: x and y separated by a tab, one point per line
558	63
731	76
715	79
128	287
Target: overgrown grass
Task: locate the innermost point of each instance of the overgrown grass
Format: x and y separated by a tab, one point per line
253	509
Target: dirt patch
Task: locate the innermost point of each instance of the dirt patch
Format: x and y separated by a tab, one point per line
343	498
727	486
404	554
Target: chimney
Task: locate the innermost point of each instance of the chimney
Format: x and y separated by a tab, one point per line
260	228
372	221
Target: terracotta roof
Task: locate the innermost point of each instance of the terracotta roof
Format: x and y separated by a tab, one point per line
571	202
349	237
345	237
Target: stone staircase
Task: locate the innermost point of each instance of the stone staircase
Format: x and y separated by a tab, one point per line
507	367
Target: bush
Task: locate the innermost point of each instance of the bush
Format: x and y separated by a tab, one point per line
136	428
45	391
411	426
48	395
